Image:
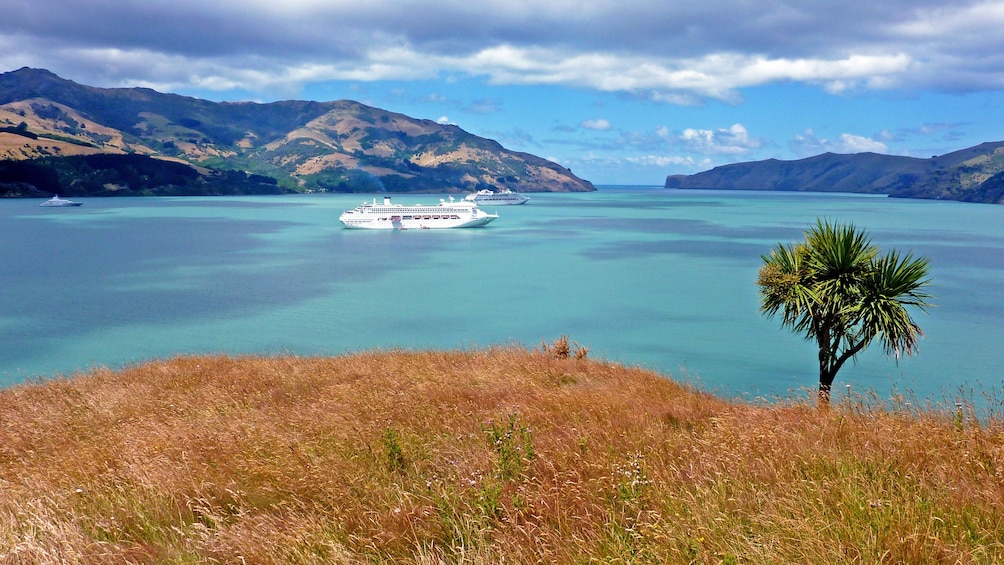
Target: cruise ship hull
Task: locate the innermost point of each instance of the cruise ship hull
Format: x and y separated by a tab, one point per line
389	216
504	197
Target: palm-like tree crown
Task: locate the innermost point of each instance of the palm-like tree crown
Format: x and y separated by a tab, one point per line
836	290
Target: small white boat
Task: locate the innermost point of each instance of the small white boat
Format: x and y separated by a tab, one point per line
56	201
387	216
504	197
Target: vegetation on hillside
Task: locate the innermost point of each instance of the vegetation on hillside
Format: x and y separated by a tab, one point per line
969	175
502	455
340	146
125	175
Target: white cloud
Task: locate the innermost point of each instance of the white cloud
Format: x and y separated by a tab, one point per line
808	143
886	135
953	19
850	143
734	140
716	48
661	161
599	124
677	81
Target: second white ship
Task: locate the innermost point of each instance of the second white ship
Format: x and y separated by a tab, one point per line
504	197
388	216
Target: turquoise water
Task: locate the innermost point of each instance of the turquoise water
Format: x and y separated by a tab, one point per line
649	277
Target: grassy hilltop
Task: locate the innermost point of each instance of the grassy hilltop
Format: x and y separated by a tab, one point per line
502	455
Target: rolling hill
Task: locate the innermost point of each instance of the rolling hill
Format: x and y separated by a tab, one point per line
339	146
975	174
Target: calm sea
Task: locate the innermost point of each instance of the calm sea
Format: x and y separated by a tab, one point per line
643	276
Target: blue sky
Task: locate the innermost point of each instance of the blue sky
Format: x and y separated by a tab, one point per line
621	93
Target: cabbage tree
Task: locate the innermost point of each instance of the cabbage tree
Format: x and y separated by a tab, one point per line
837	291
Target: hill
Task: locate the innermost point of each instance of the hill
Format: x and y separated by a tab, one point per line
975	174
502	455
341	146
131	174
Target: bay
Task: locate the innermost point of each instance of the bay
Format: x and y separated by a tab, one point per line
642	276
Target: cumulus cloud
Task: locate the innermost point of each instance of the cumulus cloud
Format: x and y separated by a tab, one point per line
733	140
850	143
672	52
808	143
599	124
662	161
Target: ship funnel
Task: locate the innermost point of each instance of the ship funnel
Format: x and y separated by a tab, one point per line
386	199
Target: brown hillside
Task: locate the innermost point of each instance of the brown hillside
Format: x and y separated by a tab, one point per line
490	456
340	146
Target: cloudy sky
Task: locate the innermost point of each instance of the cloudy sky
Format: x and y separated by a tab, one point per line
620	91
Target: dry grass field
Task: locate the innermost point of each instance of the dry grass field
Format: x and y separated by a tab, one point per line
499	455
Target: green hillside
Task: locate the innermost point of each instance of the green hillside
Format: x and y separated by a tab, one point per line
970	175
339	146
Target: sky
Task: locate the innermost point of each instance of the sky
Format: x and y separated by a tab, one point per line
622	92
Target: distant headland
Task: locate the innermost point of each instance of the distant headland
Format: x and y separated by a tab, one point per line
975	174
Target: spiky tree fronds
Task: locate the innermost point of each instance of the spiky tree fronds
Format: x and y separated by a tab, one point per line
836	290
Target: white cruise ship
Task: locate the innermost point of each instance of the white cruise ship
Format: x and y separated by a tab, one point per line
501	198
58	202
387	216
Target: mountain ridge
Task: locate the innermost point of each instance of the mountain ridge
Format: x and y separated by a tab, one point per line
335	146
973	174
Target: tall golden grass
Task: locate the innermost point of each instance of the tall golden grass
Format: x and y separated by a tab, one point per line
500	455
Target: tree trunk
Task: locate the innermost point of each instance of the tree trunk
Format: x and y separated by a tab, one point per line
830	364
825	383
827	372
